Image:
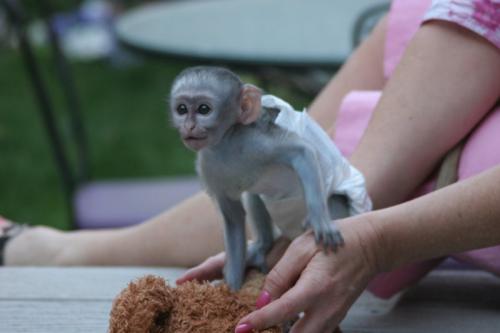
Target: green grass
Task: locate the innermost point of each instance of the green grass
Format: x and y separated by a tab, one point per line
125	119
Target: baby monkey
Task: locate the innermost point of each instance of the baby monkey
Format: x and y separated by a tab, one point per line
250	163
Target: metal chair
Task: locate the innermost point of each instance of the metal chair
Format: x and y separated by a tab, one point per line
90	204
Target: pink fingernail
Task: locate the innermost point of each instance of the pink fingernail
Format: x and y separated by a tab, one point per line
243	328
263	300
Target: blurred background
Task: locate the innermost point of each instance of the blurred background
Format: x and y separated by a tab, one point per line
116	113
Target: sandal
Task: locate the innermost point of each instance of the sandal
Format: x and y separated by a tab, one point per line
8	231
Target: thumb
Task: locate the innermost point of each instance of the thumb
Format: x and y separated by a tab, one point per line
210	269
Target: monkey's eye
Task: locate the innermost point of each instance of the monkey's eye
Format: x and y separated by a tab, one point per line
204	109
182	109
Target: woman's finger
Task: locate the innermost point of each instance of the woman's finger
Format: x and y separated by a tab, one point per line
288	268
317	319
279	311
210	269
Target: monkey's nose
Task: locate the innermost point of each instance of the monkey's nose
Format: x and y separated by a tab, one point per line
189	125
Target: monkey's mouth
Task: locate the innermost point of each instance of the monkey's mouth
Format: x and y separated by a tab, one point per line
195	138
195	142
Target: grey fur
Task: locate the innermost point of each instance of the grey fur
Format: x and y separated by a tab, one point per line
236	163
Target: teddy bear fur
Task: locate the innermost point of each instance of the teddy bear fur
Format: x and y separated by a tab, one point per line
150	305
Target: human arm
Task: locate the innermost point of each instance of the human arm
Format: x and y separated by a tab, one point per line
457	218
448	79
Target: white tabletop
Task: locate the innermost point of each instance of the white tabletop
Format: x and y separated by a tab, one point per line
280	32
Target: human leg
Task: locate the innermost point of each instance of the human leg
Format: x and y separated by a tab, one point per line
182	236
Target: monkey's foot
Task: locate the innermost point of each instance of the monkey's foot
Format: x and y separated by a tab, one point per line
334	240
233	278
256	257
327	234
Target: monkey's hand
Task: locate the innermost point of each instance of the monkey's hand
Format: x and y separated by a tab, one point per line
325	231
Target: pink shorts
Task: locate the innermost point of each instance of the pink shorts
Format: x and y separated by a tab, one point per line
480	152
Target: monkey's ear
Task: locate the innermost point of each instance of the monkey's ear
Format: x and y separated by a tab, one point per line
250	104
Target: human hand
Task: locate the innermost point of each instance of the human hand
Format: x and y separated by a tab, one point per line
321	284
211	268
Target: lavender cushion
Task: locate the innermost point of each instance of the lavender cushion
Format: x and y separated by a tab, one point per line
110	204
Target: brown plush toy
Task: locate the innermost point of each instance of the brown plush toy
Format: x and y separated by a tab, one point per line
149	305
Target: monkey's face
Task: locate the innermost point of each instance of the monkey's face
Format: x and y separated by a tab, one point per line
198	118
205	102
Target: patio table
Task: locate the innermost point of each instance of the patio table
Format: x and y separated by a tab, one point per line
257	32
78	299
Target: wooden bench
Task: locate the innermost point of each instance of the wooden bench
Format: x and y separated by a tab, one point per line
78	299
